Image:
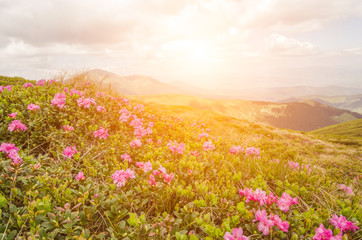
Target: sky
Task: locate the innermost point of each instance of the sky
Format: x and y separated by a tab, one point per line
208	43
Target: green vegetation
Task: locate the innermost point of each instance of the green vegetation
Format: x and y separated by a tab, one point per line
46	197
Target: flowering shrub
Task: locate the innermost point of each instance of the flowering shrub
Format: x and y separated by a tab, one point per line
59	181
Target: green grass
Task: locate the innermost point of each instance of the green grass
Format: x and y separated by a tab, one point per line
350	129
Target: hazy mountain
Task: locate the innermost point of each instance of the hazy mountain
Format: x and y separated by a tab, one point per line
132	85
304	116
348	102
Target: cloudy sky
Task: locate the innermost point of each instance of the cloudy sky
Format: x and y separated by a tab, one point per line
210	43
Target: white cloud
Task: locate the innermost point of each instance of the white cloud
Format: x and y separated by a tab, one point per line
281	45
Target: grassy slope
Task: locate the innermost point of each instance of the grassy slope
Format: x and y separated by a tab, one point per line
302	116
350	129
49	202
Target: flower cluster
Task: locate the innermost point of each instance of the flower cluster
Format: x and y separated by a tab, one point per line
101	109
69	151
120	177
41	82
176	147
266	223
285	201
325	234
296	166
167	178
101	133
203	135
252	151
343	187
125	115
59	100
258	196
12	153
208	146
33	107
237	234
17	125
26	85
342	223
80	176
8	88
236	149
135	143
68	128
13	115
86	102
145	166
126	157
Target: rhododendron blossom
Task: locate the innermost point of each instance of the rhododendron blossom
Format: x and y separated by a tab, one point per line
138	108
325	234
235	149
13	115
152	181
126	157
80	176
285	201
41	82
73	92
167	178
208	146
12	153
237	234
343	187
135	143
264	222
17	125
85	102
283	225
342	223
120	177
101	133
145	166
203	135
176	147
101	109
26	85
100	94
59	100
69	151
252	151
68	128
33	107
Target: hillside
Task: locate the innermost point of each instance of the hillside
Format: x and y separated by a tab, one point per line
302	116
80	162
348	129
348	102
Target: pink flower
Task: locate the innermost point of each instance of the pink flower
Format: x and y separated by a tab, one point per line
41	82
96	195
12	153
283	225
342	223
17	125
59	100
343	187
135	143
252	151
101	133
264	222
85	102
100	95
237	234
176	147
80	176
205	135
138	108
26	85
162	169
152	181
126	157
270	199
75	92
13	115
120	177
68	128
146	166
167	178
156	172
33	107
208	146
149	141
325	234
100	109
69	152
235	149
285	201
